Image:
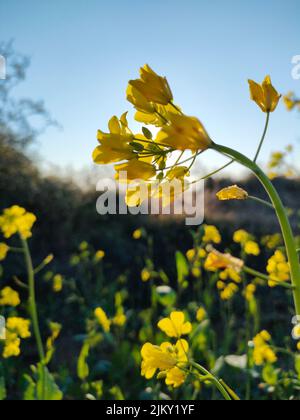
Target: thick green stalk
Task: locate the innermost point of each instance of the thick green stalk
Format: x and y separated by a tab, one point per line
287	233
33	309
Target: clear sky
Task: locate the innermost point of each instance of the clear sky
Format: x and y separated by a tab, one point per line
84	52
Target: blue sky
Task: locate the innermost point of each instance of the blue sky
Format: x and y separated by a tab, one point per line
84	52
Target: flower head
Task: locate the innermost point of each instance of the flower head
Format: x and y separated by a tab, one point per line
115	145
278	268
211	235
263	353
9	297
136	170
3	251
17	220
175	326
216	261
102	319
265	95
164	358
232	193
150	86
184	133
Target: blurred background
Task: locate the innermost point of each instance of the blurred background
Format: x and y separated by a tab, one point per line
68	63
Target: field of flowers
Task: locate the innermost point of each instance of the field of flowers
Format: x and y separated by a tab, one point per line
225	324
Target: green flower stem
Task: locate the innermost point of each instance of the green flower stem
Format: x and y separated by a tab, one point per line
266	278
259	200
33	309
213	379
263	137
287	233
214	172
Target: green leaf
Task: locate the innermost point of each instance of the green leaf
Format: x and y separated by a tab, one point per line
2	389
182	267
82	366
147	133
270	375
297	364
43	388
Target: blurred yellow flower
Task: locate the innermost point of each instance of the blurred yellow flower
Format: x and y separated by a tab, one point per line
201	314
230	274
241	236
17	220
137	234
263	353
16	328
229	291
252	248
119	319
184	133
145	275
58	283
3	251
232	193
102	319
249	292
264	95
211	235
278	269
150	86
175	326
99	256
216	261
9	297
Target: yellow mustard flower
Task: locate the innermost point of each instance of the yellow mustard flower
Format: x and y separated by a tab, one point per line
201	314
278	269
252	248
184	133
145	275
232	193
175	377
263	353
241	236
216	261
178	172
164	358
19	326
119	319
175	326
58	283
16	328
230	274
265	95
102	319
151	86
211	235
11	346
100	255
115	145
17	220
296	332
3	251
196	272
137	234
9	297
272	241
135	170
229	291
250	292
291	101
